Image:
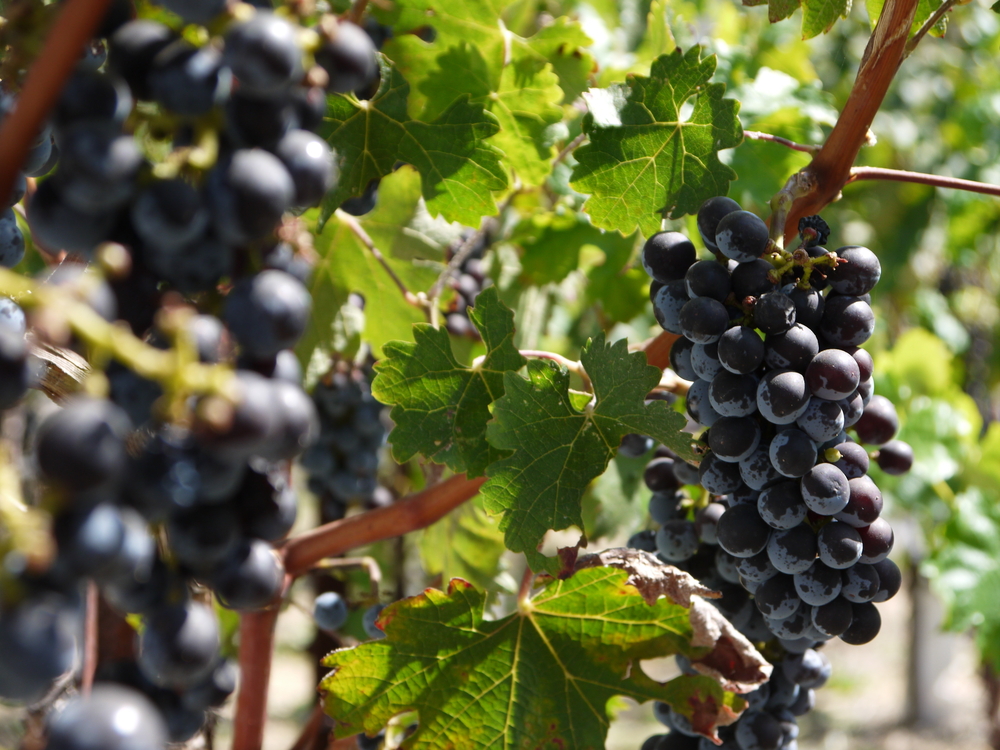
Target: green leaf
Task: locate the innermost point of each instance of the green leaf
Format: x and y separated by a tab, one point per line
645	160
924	10
474	55
558	450
441	407
465	544
539	678
658	39
818	16
459	169
403	231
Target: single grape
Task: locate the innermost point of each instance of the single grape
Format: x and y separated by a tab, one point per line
634	445
189	80
707	278
781	506
753	279
710	214
311	164
666	506
267	312
793	550
859	274
201	537
677	540
643	540
254	120
111	717
250	578
756	568
839	545
725	565
740	350
371	615
861	583
94	97
847	321
865	624
98	166
247	193
38	640
811	669
666	256
853	460
213	691
818	584
699	406
834	618
822	420
853	407
774	313
877	541
718	476
734	438
169	214
776	597
659	475
809	305
791	350
263	53
706	522
879	423
741	532
782	396
741	236
83	445
180	646
825	489
132	49
667	304
864	503
733	395
792	453
348	57
833	374
889	579
757	471
705	360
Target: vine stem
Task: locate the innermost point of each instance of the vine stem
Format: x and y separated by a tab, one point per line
366	240
899	175
756	135
830	168
90	628
256	651
75	25
409	514
569	148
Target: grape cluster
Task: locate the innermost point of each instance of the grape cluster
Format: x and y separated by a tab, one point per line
793	537
468	280
165	503
343	462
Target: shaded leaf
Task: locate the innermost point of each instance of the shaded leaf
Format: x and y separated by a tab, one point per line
464	544
557	449
441	407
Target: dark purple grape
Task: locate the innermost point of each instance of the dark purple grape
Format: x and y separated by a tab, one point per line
268	312
666	256
634	445
725	565
793	550
810	669
250	578
853	460
89	96
833	374
774	313
83	445
659	475
98	166
643	540
782	396
889	579
879	423
111	717
132	49
825	489
834	618
733	395
680	359
809	305
705	360
677	540
792	453
756	568
839	545
263	53
847	321
740	350
877	541
776	597
757	471
710	214
189	80
666	506
248	192
864	503
706	522
758	730
348	56
865	624
741	532
718	476
741	236
822	420
311	164
781	506
819	584
180	646
667	304
734	438
708	278
860	583
752	279
57	225
859	274
792	350
169	214
853	407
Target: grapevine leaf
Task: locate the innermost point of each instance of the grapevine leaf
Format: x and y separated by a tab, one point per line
644	159
541	677
403	231
474	55
459	169
466	544
441	407
818	16
557	449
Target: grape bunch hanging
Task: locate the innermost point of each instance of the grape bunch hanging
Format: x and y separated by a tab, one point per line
166	481
793	537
